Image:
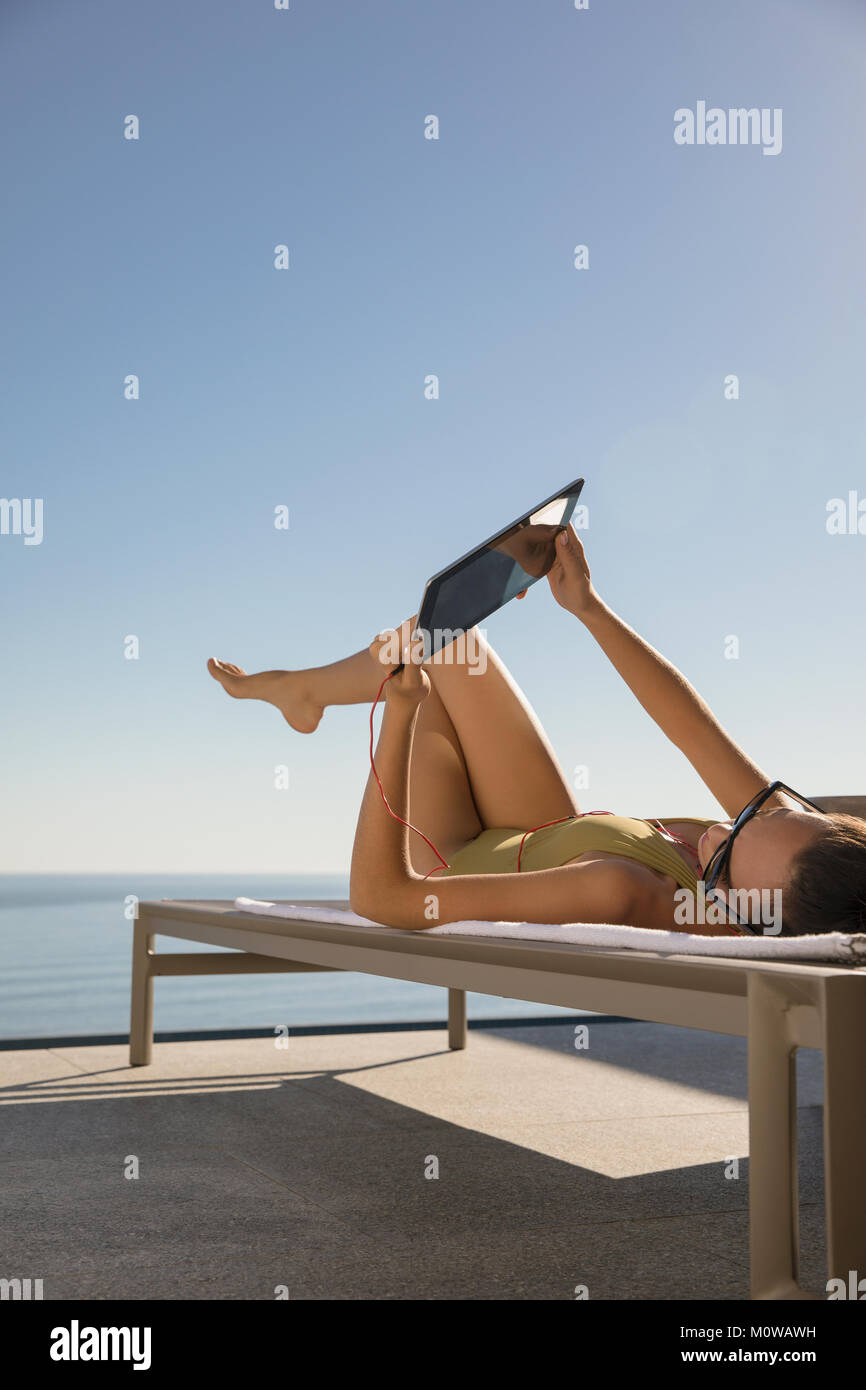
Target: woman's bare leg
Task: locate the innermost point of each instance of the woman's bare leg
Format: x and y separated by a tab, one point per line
440	797
441	803
513	771
480	758
302	696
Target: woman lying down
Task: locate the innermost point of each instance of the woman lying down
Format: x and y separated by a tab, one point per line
503	837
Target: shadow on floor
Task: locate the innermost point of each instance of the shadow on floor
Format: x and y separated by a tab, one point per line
222	1181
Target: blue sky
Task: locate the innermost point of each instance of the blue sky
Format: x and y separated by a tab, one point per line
306	388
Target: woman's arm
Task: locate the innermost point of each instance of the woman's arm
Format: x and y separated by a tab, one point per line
381	869
385	888
664	692
594	892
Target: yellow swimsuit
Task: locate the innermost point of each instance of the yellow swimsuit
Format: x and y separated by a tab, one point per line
495	851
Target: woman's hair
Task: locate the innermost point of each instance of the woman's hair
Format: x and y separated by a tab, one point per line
827	888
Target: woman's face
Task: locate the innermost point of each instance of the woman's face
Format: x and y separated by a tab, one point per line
763	849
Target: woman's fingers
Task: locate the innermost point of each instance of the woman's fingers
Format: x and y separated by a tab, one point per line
569	578
411	682
570	549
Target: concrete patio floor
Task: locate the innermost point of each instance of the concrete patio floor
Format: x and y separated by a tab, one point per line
304	1167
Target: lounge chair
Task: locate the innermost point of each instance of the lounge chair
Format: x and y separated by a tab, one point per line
778	1005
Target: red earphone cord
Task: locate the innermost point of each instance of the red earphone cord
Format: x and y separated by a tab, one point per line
443	864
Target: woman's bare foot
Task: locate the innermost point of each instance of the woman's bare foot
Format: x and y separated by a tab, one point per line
282	689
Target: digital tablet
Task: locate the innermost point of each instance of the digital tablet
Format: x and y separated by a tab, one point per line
486	578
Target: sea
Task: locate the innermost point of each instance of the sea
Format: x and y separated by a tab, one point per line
66	950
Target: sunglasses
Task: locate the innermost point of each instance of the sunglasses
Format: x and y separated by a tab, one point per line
720	861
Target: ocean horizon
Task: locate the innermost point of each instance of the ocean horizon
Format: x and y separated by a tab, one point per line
66	950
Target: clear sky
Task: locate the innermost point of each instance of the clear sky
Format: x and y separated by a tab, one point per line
305	387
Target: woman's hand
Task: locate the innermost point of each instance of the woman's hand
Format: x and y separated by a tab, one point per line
569	579
532	546
411	685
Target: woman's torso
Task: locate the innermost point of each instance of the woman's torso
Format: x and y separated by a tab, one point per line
586	837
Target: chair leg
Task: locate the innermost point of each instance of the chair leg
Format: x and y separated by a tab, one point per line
773	1217
141	1012
456	1019
845	1128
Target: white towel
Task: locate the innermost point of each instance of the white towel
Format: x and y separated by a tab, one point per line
835	946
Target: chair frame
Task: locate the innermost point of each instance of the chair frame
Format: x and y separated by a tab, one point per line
777	1006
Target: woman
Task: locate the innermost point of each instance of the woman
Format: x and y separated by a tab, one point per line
465	752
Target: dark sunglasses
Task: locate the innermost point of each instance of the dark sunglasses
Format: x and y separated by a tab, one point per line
722	857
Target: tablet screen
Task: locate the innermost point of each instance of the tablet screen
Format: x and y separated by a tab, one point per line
495	572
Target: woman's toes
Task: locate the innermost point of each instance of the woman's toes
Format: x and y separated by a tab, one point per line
230	677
